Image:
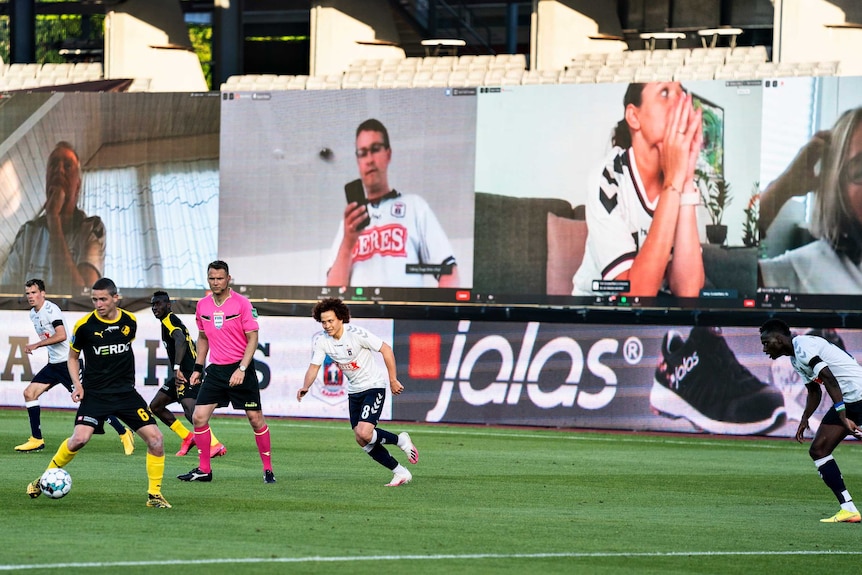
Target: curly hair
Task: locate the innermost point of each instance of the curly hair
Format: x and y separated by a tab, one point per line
332	304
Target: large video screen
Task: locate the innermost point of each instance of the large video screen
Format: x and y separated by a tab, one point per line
705	194
550	194
118	185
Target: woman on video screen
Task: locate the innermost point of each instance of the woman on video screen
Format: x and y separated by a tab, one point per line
642	224
831	263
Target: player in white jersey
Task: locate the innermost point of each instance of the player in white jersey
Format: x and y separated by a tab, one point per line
642	221
352	349
820	362
50	326
379	238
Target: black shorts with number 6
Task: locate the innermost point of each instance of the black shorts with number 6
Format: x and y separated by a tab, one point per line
128	406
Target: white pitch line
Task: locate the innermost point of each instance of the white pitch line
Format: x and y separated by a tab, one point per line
573	435
464	557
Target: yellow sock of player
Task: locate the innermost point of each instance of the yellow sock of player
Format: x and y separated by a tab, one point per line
180	429
63	456
213	440
155	473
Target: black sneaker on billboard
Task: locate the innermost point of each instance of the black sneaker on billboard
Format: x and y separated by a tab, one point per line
700	379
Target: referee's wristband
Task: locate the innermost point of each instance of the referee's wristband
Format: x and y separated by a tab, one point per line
199	367
176	367
839	406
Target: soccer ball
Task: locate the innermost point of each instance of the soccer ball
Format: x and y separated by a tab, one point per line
56	482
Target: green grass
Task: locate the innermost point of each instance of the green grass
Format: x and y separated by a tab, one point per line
483	500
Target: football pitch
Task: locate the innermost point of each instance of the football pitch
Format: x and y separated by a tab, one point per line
482	500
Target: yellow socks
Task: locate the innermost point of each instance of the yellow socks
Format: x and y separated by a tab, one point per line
180	429
63	456
155	473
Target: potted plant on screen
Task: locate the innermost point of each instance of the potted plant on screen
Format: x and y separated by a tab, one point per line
751	229
716	197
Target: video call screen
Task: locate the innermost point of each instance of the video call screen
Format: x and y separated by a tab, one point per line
289	161
488	195
139	204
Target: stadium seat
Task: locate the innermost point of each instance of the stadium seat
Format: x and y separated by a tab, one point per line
725	72
439	62
87	69
264	81
422	78
587	76
458	78
11	82
637	57
23	70
593	59
476	76
825	69
766	70
387	79
511	61
695	72
685	74
512	77
494	76
326	82
465	60
606	74
390	64
747	54
711	55
409	64
351	79
645	74
616	58
439	79
668	57
540	77
483	60
404	79
744	71
372	64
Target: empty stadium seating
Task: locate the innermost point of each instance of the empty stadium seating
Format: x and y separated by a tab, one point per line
29	76
738	63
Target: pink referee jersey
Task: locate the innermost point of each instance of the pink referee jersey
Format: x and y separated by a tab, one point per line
225	326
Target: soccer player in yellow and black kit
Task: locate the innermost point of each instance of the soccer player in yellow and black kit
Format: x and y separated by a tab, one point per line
105	338
181	356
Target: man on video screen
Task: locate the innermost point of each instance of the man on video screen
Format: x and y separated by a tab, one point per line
386	238
62	244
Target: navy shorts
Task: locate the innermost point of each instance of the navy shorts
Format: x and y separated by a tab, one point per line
853	410
53	374
128	406
366	406
216	389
